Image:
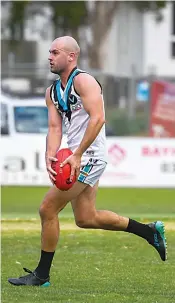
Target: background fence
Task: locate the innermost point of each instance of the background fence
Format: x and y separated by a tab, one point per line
127	99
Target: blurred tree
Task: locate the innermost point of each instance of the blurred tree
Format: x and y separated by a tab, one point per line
66	16
150	5
69	16
17	19
100	20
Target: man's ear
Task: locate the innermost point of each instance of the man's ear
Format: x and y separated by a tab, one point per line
71	57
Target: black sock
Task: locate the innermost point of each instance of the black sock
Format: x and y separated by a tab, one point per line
44	265
139	229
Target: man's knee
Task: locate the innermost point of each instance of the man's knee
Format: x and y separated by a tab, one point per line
48	209
85	222
44	210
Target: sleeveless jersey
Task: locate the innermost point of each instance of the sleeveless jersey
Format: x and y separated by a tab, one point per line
69	104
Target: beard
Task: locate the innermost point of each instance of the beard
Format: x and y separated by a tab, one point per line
57	71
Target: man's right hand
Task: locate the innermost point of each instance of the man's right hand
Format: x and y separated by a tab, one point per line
50	171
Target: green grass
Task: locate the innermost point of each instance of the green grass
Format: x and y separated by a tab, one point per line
23	202
90	266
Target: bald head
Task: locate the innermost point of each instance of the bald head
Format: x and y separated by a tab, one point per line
64	54
68	44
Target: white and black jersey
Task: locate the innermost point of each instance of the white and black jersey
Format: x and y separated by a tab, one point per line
75	118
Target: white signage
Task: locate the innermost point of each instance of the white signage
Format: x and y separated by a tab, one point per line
140	162
133	162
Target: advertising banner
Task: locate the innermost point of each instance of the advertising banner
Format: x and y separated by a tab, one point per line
162	110
132	162
137	162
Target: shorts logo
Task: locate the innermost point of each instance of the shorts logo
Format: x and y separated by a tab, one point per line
84	172
90	152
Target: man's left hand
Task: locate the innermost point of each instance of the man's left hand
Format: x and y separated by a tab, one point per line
75	162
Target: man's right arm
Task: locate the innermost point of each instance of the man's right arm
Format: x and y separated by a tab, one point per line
54	136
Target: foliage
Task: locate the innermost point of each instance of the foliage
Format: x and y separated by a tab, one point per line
69	16
150	5
65	14
123	126
16	22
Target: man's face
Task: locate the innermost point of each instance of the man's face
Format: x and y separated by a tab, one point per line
58	58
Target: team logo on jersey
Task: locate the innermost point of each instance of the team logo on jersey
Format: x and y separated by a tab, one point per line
74	104
73	99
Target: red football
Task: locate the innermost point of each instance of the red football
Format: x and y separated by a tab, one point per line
63	173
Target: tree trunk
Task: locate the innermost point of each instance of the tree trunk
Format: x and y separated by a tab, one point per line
100	21
21	29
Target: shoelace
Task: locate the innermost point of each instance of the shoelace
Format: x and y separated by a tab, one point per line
32	272
28	270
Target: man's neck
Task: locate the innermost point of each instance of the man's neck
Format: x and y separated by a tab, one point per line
65	75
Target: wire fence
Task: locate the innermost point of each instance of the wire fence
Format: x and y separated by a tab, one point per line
127	99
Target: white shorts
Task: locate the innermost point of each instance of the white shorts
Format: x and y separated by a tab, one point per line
91	172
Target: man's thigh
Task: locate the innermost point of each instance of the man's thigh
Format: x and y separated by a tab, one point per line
56	199
84	204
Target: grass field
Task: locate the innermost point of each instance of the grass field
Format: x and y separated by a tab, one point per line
90	266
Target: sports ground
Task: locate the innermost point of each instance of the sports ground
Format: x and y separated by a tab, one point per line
90	266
